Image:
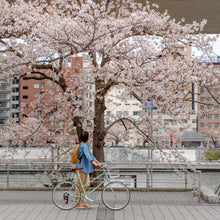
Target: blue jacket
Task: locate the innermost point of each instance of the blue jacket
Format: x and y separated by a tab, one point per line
86	159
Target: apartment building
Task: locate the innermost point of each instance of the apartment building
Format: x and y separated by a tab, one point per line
9	101
209	109
40	97
164	126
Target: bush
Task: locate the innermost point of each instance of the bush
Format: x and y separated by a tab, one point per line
213	154
141	146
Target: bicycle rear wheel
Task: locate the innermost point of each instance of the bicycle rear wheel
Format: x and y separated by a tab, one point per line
115	195
66	195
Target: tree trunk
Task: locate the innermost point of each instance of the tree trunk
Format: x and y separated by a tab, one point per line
78	124
99	124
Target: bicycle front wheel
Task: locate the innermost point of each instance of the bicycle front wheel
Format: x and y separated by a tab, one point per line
115	195
66	195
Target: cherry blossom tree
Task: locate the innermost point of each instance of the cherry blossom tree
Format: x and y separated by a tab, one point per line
29	132
129	45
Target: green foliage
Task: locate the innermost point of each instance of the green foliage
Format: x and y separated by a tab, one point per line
213	154
141	146
119	146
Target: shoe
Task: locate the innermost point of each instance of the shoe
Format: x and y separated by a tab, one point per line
80	207
87	206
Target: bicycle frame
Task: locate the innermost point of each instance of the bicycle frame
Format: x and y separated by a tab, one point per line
70	189
104	173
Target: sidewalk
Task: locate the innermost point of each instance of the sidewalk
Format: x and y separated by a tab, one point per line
21	205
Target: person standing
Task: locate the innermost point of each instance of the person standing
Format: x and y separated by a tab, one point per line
86	160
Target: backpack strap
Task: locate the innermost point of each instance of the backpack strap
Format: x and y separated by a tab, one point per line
81	156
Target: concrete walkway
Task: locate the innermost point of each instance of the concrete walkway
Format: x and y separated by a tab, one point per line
37	205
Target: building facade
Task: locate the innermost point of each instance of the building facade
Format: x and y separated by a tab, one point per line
209	109
9	101
41	99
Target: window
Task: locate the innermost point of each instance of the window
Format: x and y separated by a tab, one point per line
15	106
135	112
51	113
15	98
194	121
15	89
202	116
25	87
3	87
3	95
25	97
36	86
42	85
202	107
15	115
209	99
3	113
3	104
2	121
108	112
118	113
159	130
202	125
209	116
201	90
216	125
15	81
126	113
52	85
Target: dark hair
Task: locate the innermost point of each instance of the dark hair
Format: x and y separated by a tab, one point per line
84	136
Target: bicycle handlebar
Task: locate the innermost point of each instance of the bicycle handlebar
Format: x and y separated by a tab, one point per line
104	165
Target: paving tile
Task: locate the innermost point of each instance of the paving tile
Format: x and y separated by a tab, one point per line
37	205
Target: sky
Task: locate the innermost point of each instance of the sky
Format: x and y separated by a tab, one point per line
216	47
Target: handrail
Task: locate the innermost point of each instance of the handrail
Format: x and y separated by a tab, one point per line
191	175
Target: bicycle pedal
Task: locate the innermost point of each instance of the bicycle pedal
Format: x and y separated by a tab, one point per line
87	198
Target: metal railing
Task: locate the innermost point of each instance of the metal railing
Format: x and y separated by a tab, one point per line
145	176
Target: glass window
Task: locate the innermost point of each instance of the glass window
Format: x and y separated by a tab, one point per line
108	112
3	104
2	121
25	87
15	89
194	121
15	81
36	86
15	106
126	113
202	125
15	98
202	107
118	113
42	85
52	85
209	116
135	112
25	96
